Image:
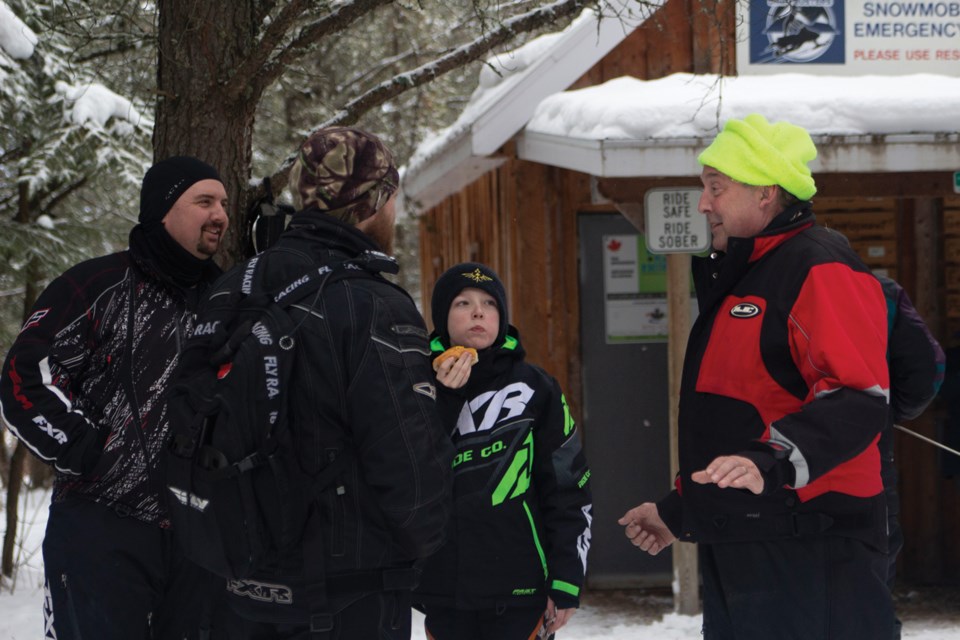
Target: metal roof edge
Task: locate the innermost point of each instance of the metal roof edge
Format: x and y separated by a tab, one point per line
457	150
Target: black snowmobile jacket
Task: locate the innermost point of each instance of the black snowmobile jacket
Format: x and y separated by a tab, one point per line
362	388
522	505
66	383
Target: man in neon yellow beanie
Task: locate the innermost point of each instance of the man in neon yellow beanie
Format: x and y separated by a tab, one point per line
783	399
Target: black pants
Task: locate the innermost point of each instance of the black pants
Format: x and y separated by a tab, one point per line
807	588
502	623
378	616
110	577
894	534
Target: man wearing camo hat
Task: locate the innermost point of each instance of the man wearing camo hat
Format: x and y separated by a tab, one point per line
362	391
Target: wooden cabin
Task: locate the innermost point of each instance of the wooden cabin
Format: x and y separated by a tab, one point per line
488	193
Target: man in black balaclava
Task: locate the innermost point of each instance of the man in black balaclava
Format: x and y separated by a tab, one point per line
84	387
182	220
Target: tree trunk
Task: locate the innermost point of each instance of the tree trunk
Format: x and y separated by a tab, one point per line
32	277
40	472
4	460
202	109
14	485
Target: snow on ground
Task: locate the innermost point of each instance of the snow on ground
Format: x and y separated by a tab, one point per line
599	619
22	597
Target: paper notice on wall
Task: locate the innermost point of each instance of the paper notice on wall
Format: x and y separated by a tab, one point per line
635	299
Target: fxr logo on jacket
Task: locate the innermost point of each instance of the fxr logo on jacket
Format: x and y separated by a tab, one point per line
512	399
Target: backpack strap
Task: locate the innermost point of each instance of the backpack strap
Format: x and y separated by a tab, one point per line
311	282
314	279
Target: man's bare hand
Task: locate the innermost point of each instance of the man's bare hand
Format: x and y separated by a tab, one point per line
646	530
735	472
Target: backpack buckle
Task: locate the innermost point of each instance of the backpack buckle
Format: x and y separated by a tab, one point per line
321	623
378	261
252	461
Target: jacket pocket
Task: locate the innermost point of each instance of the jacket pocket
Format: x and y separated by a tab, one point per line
402	344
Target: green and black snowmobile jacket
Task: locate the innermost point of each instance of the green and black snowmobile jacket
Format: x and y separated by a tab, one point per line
522	507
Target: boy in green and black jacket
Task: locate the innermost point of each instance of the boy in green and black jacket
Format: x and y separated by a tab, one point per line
516	549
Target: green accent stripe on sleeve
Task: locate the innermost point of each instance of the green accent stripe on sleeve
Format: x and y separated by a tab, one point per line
566	587
568	423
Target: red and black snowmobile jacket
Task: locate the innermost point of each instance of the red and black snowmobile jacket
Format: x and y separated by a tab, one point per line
86	363
786	365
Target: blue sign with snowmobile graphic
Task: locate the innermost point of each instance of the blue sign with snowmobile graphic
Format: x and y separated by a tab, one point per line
797	32
848	37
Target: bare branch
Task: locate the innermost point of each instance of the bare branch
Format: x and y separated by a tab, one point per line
265	67
117	49
455	59
275	33
9	156
263	9
64	193
386	63
332	23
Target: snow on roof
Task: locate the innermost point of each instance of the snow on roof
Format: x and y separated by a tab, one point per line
511	86
16	38
630	127
683	105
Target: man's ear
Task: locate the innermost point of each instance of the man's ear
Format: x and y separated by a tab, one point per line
366	223
769	195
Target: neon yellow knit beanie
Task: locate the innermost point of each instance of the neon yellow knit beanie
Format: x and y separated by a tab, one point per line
755	152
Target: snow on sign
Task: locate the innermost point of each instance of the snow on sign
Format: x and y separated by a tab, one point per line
673	224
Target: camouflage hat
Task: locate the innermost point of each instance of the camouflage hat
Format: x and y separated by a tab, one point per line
345	172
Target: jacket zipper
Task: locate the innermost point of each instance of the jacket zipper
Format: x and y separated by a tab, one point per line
339	510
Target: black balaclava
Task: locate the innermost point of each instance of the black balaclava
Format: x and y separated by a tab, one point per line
163	184
456	279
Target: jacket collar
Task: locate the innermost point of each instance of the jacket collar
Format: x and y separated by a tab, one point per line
784	226
335	234
716	274
492	362
161	258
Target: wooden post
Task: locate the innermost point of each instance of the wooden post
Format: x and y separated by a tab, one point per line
686	585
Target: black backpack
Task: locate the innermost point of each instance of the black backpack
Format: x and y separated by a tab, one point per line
237	498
